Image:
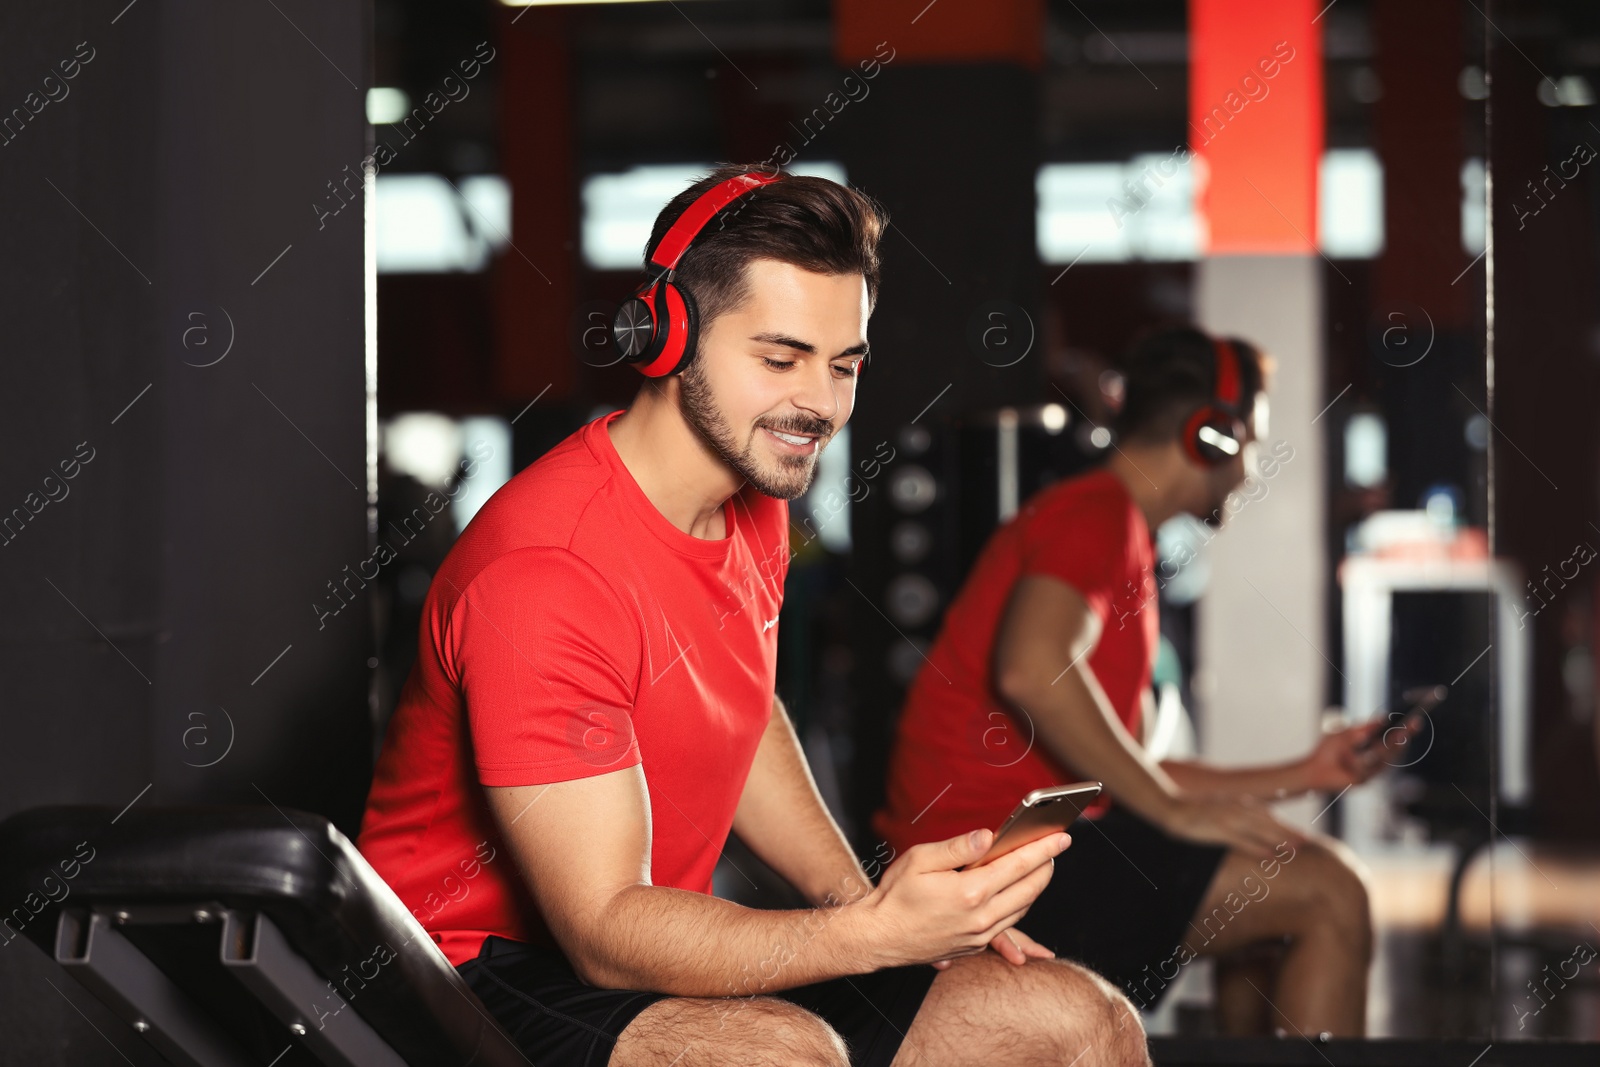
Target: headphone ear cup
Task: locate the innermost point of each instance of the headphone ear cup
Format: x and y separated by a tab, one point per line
1191	437
1220	422
633	328
691	337
675	318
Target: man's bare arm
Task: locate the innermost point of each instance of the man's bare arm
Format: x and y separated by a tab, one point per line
782	818
1047	626
1271	782
582	848
1045	636
1339	759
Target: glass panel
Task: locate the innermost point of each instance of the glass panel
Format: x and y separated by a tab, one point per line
1416	593
1541	895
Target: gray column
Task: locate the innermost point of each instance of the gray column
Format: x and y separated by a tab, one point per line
1261	643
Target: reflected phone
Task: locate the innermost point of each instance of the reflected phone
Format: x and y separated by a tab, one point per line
1420	701
1041	813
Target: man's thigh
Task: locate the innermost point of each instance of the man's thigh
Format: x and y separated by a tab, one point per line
558	1020
1122	897
855	1020
985	1010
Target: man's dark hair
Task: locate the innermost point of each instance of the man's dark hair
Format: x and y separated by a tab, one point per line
1169	372
810	222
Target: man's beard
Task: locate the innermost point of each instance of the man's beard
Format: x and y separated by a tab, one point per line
793	475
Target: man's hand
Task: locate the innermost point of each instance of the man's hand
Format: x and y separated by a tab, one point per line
1015	947
927	910
1354	754
1239	822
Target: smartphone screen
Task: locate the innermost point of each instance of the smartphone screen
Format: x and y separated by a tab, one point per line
1041	813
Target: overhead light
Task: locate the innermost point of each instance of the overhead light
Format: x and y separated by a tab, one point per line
1366	450
552	3
1573	90
424	223
1350	203
386	105
424	444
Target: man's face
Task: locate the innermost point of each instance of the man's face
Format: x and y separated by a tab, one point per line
784	363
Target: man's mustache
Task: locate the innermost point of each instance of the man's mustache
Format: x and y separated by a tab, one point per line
822	432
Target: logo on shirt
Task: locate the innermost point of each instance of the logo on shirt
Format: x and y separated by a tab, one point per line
769	624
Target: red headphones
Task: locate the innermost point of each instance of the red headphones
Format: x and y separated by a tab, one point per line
657	329
1215	432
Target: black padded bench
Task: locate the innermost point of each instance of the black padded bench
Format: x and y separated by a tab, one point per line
239	936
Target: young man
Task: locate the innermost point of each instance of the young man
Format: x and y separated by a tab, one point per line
1040	675
593	710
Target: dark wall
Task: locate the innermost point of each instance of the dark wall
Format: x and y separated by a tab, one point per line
961	242
185	460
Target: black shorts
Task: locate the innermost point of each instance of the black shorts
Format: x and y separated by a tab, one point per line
559	1021
1121	900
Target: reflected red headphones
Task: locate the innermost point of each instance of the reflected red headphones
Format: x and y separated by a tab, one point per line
1215	432
656	328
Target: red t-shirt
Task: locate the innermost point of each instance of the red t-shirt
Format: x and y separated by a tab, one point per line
572	631
962	759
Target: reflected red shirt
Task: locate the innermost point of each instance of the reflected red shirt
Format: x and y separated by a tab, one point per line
962	758
573	631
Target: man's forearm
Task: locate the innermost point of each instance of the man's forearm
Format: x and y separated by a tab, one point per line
1274	782
783	820
1073	720
690	944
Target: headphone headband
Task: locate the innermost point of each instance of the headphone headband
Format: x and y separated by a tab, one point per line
1227	391
657	328
682	233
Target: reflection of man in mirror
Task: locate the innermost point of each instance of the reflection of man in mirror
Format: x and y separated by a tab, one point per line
1055	634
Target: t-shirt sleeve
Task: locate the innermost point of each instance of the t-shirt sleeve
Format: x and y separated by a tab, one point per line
547	655
1084	546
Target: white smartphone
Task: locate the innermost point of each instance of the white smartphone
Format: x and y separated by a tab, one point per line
1041	813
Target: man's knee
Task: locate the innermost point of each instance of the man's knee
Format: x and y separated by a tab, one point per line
1104	1029
755	1030
793	1034
985	1010
1330	887
1342	879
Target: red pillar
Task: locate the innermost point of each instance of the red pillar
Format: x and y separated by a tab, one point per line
1256	122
